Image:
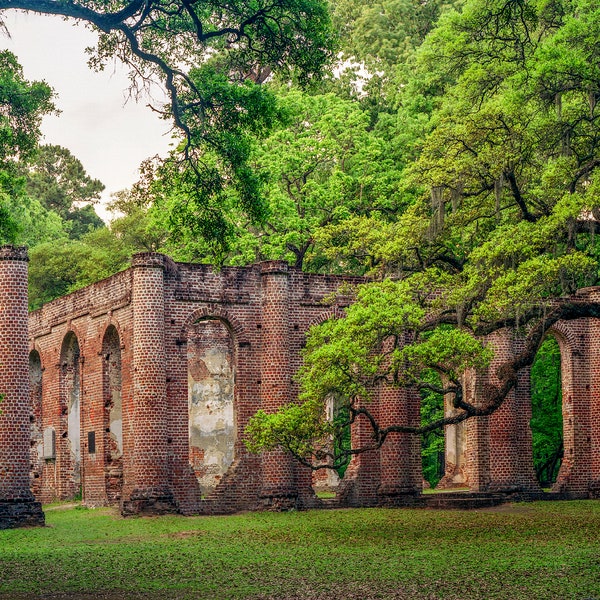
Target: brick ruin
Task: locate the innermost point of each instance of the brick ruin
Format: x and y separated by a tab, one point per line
136	391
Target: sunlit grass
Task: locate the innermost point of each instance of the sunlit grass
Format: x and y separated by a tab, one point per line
524	551
326	495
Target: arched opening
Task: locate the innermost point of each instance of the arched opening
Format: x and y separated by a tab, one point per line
211	395
37	428
546	412
326	481
113	414
70	425
438	451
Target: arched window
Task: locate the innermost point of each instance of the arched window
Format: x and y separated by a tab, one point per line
211	393
113	413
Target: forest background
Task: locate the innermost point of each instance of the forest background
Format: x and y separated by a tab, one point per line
448	145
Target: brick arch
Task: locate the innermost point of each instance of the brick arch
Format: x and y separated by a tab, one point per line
565	336
81	341
36	371
70	333
70	425
34	350
111	323
33	347
213	395
112	420
331	313
237	330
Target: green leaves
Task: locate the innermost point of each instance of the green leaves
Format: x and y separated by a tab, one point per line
296	428
23	105
546	408
501	116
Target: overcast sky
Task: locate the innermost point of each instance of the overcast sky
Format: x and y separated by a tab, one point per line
108	133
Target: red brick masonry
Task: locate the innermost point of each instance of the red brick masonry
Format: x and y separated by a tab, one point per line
103	409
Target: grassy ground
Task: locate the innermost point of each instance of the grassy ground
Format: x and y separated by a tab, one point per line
541	550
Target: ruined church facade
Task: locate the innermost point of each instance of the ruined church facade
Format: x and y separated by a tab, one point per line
137	389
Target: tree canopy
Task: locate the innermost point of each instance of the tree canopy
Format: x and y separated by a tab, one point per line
211	58
503	121
454	163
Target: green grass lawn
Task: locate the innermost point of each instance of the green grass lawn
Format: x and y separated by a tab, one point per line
531	551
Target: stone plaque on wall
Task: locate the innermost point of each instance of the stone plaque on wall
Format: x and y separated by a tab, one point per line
49	443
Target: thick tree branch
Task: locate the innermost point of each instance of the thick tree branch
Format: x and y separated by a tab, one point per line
516	192
494	394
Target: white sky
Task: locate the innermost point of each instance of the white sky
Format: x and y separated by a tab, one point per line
108	133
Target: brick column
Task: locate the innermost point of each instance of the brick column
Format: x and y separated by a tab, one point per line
362	479
593	398
511	458
17	504
579	405
499	447
152	492
401	471
477	432
279	490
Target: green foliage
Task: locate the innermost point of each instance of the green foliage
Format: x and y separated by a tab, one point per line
293	427
215	56
22	105
211	58
432	445
517	553
63	266
342	437
58	181
378	41
9	226
546	408
499	111
193	198
138	226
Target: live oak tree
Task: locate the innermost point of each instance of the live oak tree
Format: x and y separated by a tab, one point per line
211	58
322	164
502	232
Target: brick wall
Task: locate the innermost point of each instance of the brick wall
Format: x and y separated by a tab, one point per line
130	347
128	350
499	447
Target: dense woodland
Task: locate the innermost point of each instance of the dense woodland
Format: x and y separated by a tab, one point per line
449	146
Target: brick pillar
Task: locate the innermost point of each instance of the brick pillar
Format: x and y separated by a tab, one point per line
362	479
17	504
499	447
580	405
592	387
152	492
401	471
477	433
279	490
511	454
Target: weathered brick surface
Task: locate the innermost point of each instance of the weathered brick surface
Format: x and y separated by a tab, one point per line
17	504
131	332
499	447
130	349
